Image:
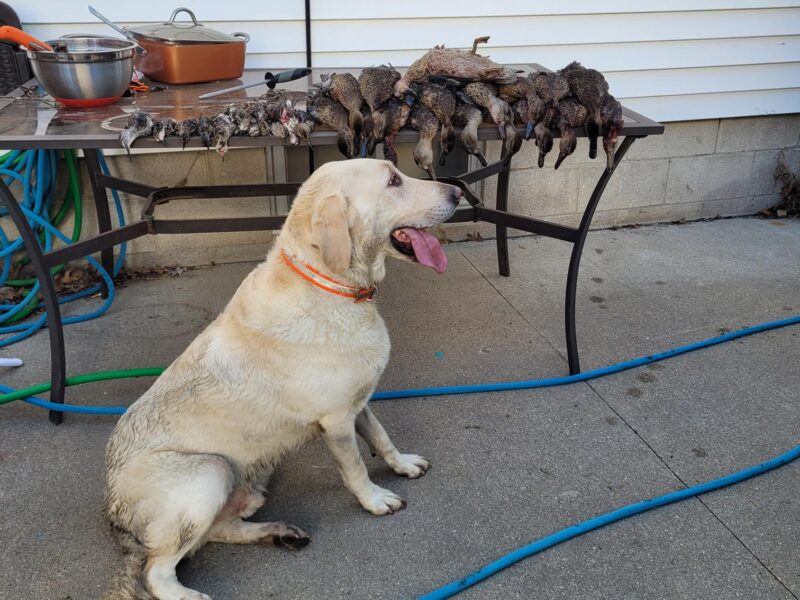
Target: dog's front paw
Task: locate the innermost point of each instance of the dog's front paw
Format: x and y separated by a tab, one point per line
379	501
410	465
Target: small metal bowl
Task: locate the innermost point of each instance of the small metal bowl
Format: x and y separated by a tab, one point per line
85	71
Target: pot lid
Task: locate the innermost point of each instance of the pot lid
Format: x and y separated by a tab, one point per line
186	33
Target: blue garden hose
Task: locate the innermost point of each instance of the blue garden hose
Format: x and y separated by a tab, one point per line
572	531
453	588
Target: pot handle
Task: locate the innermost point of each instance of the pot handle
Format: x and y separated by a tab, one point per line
186	10
241	34
25	40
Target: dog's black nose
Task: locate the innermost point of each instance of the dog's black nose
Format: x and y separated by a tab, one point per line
455	194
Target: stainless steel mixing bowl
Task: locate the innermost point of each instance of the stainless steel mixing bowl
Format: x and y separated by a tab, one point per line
85	71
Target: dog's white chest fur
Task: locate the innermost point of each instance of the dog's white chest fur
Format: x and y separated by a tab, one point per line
257	391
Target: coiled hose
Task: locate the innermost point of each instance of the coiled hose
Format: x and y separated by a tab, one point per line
36	173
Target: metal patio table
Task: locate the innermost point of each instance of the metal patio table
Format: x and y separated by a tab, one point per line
30	121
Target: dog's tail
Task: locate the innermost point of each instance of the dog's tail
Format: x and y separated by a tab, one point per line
127	583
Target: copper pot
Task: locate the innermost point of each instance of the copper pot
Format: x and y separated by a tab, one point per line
180	53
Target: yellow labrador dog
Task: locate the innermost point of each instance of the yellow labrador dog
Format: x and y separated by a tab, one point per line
296	354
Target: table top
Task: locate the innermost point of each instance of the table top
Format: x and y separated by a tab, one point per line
31	119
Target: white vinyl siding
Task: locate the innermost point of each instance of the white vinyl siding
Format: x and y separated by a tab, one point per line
671	60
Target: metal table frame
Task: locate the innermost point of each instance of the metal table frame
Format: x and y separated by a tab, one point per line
149	223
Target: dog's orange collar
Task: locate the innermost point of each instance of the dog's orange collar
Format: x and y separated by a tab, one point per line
323	282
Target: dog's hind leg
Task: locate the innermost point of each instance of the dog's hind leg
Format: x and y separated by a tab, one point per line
369	428
180	497
229	528
236	531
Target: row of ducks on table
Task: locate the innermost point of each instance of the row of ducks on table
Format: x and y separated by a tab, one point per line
444	89
272	114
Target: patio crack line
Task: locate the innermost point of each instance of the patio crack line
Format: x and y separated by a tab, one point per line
515	309
684	484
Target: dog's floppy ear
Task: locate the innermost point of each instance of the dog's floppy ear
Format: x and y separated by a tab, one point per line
330	232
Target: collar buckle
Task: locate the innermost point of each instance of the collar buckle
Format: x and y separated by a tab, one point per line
366	294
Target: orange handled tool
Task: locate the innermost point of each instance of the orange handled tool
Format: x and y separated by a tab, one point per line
25	40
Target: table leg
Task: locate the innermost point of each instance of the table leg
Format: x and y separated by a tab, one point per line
103	214
575	258
503	265
49	297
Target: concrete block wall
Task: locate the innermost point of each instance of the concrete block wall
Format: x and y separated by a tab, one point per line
696	170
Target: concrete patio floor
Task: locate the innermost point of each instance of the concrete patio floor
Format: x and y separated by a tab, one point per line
508	468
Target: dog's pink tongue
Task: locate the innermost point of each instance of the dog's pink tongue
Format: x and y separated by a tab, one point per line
427	249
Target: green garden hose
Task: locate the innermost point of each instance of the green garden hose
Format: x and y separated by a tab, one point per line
81	379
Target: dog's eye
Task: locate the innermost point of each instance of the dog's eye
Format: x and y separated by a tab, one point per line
394	180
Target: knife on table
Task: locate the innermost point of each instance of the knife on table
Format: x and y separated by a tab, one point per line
270	80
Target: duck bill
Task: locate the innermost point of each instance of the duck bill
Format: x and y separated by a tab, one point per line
541	159
371	143
431	173
481	158
528	130
559	160
501	129
343	146
363	152
126	138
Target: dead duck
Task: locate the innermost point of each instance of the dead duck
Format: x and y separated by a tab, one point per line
376	85
328	112
442	103
255	115
572	114
485	96
205	129
277	129
381	119
387	121
613	121
544	141
298	124
551	88
520	111
343	87
367	141
469	117
425	122
522	89
186	129
590	88
455	64
224	127
238	114
163	128
139	124
512	142
267	115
